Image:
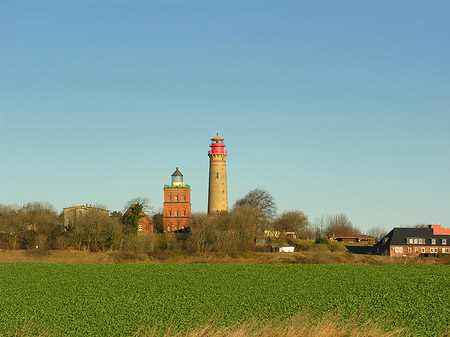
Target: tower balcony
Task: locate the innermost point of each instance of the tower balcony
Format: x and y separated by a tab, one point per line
218	151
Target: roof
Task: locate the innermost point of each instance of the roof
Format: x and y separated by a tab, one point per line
354	236
177	173
87	207
398	236
217	137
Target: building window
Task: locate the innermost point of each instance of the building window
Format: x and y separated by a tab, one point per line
168	228
217	175
415	241
176	198
443	250
176	213
433	241
444	241
182	227
170	213
421	241
446	250
409	250
184	212
140	228
423	250
400	249
416	250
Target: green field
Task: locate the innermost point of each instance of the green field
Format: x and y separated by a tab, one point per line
115	300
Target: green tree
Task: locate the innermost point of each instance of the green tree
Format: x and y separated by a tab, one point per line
116	215
157	219
131	218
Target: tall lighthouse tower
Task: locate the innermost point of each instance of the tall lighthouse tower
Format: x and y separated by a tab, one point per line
217	194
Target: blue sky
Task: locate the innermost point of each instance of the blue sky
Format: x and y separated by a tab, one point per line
331	106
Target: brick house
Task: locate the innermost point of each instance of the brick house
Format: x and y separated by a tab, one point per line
415	241
145	225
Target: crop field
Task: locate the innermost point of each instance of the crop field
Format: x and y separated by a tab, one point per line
117	300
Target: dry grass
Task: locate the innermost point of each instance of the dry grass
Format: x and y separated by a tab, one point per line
119	257
25	330
298	326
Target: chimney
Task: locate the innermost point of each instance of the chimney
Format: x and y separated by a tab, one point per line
90	205
86	204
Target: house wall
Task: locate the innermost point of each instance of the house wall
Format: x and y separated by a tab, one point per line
417	250
72	214
145	225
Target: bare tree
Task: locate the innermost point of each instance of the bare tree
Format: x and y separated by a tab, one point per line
12	222
293	221
42	218
144	201
377	232
201	231
340	224
97	229
264	204
320	227
242	222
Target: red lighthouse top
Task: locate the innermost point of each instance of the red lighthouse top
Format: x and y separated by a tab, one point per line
217	145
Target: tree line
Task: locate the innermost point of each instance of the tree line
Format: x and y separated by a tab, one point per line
37	225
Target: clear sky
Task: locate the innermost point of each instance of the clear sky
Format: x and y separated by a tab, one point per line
331	106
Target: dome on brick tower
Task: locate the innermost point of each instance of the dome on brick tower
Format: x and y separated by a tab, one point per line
177	179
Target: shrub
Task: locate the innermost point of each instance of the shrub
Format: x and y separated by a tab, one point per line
140	244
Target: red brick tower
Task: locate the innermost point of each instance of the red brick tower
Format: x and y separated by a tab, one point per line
177	204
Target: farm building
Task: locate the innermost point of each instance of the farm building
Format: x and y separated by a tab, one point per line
276	234
358	238
415	241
